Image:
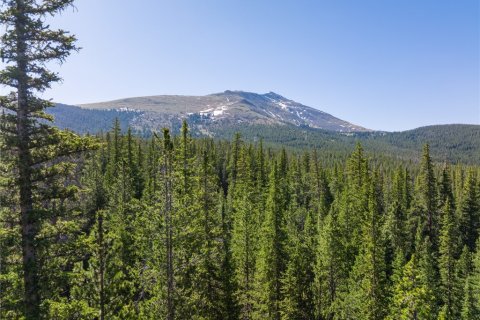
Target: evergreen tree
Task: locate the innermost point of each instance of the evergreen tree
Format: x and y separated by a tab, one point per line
396	220
412	298
297	281
207	279
469	212
445	188
331	268
40	152
168	221
187	225
367	295
244	235
134	161
355	201
228	300
470	307
427	199
322	195
429	268
271	257
448	273
471	296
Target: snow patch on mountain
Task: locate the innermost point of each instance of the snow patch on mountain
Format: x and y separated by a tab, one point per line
213	112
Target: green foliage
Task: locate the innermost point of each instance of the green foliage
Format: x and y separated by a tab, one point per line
271	257
183	228
447	262
412	298
43	160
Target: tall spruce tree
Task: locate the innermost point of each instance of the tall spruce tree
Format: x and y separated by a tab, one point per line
186	222
168	221
245	233
331	270
208	285
297	281
427	199
271	257
355	201
396	218
469	212
38	150
451	289
367	295
445	191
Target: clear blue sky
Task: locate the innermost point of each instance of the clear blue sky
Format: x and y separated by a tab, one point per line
382	64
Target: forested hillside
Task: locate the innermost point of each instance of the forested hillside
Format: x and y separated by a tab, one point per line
175	227
451	143
277	221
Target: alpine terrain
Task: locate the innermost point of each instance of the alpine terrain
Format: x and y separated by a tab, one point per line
203	113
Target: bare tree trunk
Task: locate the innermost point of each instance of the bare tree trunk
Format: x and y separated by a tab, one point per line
27	216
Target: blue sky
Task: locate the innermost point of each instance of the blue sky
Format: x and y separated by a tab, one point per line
383	64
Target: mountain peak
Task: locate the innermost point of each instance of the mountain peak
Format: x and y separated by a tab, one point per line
274	95
225	108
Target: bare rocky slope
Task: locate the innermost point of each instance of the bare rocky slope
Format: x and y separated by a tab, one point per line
226	108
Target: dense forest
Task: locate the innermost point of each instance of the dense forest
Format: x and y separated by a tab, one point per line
181	228
119	226
454	143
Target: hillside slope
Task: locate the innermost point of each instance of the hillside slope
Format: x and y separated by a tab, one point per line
226	108
452	143
455	143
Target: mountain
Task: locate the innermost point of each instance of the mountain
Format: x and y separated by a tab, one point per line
226	108
271	117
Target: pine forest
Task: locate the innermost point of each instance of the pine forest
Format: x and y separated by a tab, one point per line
171	226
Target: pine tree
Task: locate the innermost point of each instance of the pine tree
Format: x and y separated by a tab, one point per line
40	151
168	217
297	289
152	171
412	298
469	212
187	225
271	257
429	268
228	299
396	220
234	158
331	270
115	147
367	295
355	201
445	188
427	199
471	295
207	280
244	235
134	161
322	195
470	307
95	260
448	273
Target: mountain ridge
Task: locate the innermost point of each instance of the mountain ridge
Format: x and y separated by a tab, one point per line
276	120
227	107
